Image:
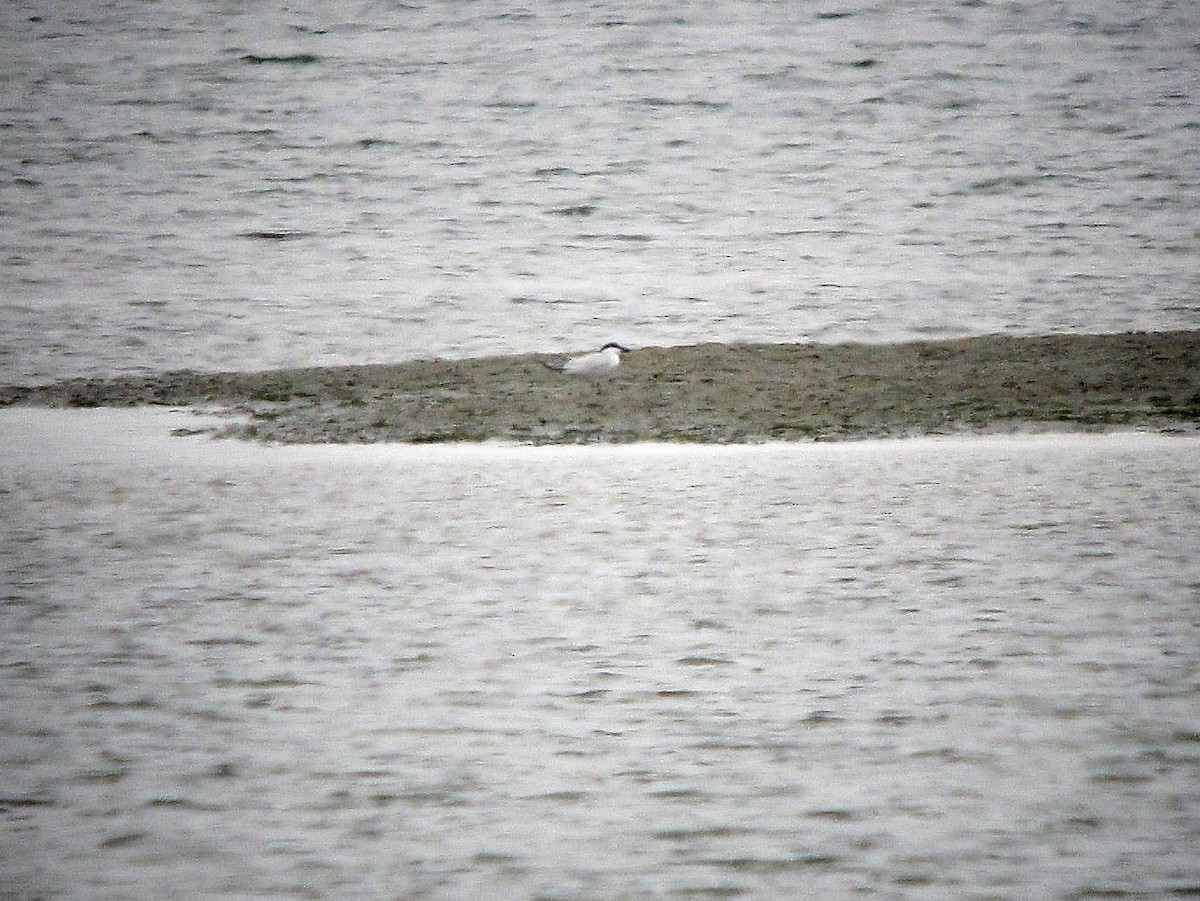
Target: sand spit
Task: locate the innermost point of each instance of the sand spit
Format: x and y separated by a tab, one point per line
715	393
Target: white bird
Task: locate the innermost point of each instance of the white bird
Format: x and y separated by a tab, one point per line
602	362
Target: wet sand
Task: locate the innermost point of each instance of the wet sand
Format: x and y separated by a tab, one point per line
713	393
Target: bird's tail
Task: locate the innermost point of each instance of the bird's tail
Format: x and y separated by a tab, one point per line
553	367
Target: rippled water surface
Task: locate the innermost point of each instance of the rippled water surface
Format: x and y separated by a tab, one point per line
936	668
230	186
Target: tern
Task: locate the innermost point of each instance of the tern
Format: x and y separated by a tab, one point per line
602	362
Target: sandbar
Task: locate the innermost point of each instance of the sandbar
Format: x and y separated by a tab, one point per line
703	393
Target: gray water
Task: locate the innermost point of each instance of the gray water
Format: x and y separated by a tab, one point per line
937	668
239	186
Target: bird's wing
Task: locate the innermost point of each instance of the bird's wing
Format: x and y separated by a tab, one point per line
586	363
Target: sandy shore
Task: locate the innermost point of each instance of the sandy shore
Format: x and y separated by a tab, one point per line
716	393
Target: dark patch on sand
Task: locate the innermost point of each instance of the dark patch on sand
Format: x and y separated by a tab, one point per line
715	393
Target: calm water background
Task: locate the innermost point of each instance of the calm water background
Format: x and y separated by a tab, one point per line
228	185
936	669
894	669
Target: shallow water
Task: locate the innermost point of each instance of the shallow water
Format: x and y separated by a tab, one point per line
945	668
223	186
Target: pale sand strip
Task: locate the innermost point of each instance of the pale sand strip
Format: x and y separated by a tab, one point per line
714	393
